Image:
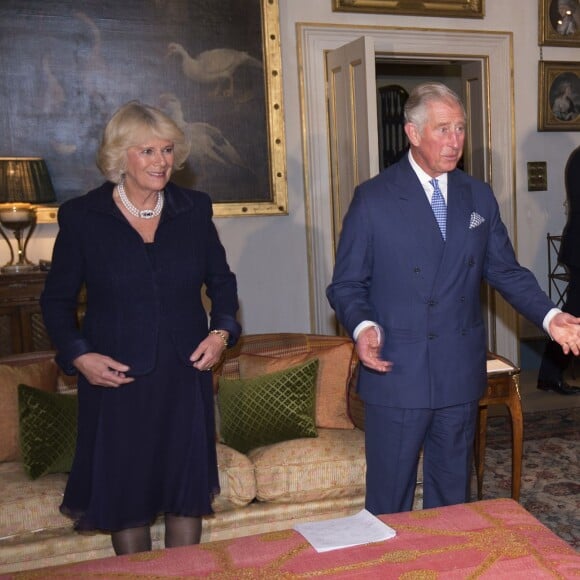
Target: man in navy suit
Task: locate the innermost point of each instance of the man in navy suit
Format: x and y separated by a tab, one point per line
407	289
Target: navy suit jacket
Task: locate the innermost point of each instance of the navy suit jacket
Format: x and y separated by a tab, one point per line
127	298
393	267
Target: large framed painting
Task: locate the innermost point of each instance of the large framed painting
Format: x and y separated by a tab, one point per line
559	96
559	22
213	66
460	8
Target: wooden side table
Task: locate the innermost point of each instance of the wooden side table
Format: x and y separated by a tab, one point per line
21	325
502	388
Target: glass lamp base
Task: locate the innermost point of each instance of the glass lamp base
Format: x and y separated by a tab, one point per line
18	217
18	268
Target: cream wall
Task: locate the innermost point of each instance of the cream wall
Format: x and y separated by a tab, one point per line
269	254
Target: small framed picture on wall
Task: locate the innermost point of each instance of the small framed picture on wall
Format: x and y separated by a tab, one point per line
559	96
458	8
559	22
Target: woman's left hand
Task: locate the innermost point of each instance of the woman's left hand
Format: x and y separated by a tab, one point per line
209	352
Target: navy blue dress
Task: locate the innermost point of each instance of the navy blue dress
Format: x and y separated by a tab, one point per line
148	447
145	448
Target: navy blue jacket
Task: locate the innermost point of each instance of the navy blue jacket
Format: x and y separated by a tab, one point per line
127	298
392	267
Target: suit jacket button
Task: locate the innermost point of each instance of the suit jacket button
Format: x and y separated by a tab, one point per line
431	302
416	269
432	336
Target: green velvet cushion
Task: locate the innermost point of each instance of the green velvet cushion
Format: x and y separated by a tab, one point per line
48	430
268	409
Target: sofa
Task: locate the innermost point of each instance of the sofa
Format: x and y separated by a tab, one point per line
266	488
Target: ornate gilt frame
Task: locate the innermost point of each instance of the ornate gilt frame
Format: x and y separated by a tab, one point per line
549	33
278	204
455	8
273	198
553	77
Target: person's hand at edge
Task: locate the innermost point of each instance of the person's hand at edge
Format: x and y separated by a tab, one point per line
565	330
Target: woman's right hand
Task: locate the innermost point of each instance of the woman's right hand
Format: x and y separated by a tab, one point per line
102	371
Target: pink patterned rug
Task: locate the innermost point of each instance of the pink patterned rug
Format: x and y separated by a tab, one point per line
487	540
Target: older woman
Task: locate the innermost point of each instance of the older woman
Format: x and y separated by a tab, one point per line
143	248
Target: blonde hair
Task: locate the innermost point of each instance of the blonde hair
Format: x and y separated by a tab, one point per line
424	94
129	126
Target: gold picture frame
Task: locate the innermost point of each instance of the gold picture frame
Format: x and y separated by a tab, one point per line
69	67
559	22
455	8
278	204
559	96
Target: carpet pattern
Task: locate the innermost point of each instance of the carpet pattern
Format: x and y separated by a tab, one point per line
550	472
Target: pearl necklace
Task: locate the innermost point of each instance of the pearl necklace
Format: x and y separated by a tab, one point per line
145	214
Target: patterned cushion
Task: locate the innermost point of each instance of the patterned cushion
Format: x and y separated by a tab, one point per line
66	383
330	466
268	409
28	505
331	384
48	431
41	375
237	480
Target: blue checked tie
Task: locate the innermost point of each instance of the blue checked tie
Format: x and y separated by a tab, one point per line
439	207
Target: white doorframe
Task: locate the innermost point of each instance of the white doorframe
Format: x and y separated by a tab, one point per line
495	49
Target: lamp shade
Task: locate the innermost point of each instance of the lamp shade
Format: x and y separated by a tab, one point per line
25	180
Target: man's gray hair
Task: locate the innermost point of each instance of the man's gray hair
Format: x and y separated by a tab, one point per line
424	94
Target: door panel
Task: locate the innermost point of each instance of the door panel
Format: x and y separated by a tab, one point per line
476	141
352	106
475	156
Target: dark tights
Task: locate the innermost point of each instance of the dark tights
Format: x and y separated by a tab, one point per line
132	540
179	531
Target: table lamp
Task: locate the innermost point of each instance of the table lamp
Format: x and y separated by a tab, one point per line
23	181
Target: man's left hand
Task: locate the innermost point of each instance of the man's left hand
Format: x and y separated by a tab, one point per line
565	330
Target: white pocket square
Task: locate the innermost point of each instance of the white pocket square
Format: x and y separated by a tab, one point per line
475	220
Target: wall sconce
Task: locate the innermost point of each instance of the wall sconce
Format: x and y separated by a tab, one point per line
23	181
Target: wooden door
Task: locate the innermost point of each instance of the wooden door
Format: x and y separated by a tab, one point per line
352	106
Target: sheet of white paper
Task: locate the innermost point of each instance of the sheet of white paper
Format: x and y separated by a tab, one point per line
361	528
498	366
